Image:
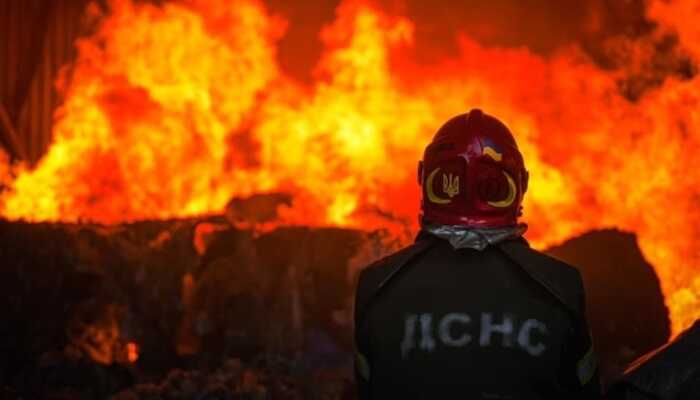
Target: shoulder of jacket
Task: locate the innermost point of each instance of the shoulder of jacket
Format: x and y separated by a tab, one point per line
372	276
554	266
561	279
382	268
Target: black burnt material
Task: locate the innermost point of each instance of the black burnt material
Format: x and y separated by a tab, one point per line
187	294
625	305
670	372
227	312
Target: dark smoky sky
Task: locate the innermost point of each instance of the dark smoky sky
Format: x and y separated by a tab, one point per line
540	25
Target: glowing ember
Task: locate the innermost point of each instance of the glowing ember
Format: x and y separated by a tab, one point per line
132	352
173	110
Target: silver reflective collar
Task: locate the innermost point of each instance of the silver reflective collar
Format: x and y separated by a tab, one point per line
464	237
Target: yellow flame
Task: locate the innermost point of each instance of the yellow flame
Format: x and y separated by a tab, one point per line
174	109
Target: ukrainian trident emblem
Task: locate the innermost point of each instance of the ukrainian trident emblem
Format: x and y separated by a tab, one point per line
450	185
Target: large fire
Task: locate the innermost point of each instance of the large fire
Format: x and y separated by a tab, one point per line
172	110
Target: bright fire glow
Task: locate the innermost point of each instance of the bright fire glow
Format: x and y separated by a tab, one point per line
132	352
172	110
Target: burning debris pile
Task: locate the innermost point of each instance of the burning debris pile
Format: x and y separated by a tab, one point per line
200	305
172	108
264	379
98	308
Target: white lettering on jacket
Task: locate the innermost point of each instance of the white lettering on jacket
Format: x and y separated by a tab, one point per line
456	330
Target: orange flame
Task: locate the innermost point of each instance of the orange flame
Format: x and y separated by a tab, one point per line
172	110
132	352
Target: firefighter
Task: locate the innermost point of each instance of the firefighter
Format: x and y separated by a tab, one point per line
469	310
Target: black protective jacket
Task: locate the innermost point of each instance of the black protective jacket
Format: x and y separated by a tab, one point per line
669	373
432	322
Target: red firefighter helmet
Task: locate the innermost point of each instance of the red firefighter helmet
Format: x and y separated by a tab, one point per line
472	174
